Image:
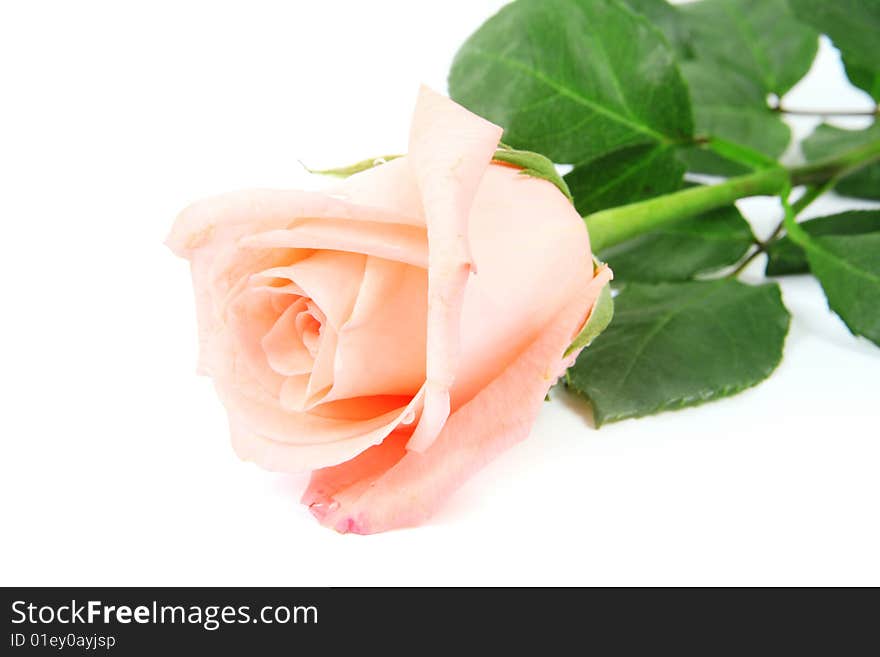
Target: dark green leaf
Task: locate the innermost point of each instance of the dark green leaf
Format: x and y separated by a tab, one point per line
854	27
848	267
786	257
573	79
625	176
681	251
667	19
534	165
759	40
729	106
679	344
864	183
828	141
756	128
743	51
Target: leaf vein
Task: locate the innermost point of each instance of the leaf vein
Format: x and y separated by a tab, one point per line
571	94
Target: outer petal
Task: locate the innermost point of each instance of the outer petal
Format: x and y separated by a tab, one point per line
227	217
277	440
388	488
386	240
531	248
449	151
391	185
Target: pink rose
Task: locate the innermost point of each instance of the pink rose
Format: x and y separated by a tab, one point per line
398	334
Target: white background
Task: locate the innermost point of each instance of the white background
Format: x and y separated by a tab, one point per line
116	466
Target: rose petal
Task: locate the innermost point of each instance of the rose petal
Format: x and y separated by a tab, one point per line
226	218
251	317
207	233
294	392
530	247
321	378
391	185
332	280
392	241
294	442
449	151
283	346
381	349
404	489
350	478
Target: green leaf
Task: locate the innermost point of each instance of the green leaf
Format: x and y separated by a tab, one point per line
757	128
854	27
786	257
625	176
597	322
743	51
828	141
759	40
679	344
534	165
667	19
848	267
681	251
864	183
737	152
573	79
734	108
351	169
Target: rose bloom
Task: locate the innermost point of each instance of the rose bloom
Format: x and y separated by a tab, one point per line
397	334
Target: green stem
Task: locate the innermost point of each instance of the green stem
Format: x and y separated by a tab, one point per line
809	112
745	263
616	225
811	194
836	167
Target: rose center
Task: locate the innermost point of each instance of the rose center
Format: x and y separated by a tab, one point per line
309	329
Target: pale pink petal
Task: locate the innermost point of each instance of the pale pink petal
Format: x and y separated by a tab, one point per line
251	317
363	408
328	483
391	185
329	488
309	327
283	346
499	416
294	392
381	349
225	218
449	151
391	241
294	442
216	288
332	280
530	246
208	231
321	378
